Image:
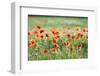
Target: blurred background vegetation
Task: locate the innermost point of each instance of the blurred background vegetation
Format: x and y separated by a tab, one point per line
56	21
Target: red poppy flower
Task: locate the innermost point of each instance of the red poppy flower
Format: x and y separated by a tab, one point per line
63	32
45	52
69	35
35	32
56	45
73	37
85	30
29	33
41	31
41	36
67	43
70	45
71	49
76	37
31	42
53	50
47	35
79	46
57	35
38	27
80	34
53	32
54	40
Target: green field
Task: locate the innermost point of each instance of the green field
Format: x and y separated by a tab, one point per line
57	37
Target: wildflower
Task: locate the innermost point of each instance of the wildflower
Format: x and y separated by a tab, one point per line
42	30
56	45
57	35
63	32
45	52
36	34
41	36
38	27
85	30
53	32
67	43
53	50
71	49
69	35
70	45
47	35
79	46
80	34
31	42
76	37
29	33
54	40
73	37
